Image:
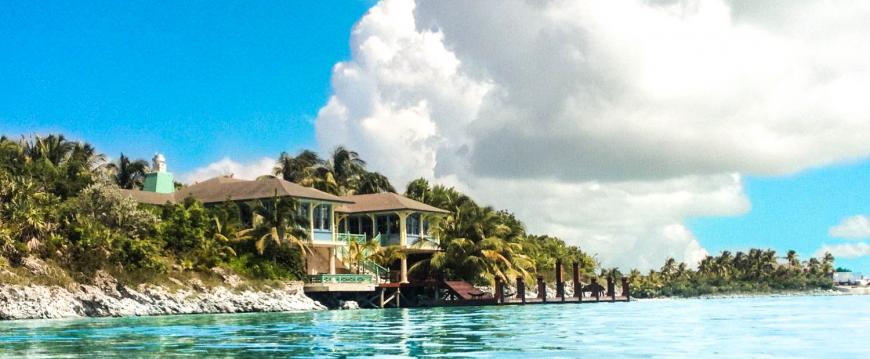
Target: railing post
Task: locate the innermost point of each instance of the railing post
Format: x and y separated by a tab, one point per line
542	289
521	289
626	289
560	285
595	289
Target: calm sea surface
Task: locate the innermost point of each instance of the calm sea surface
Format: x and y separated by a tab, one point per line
811	327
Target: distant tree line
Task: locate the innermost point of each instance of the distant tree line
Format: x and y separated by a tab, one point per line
756	271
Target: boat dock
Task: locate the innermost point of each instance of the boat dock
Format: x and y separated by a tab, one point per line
432	293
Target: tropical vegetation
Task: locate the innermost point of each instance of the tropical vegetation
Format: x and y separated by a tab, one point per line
61	201
742	272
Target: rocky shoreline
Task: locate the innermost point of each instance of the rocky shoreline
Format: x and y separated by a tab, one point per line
109	298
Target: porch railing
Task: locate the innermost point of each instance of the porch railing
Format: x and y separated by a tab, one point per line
349	237
341	278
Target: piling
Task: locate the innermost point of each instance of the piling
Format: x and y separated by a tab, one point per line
626	290
521	289
611	288
578	286
595	289
499	290
560	284
542	289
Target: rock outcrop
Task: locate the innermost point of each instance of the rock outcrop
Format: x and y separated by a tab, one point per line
107	297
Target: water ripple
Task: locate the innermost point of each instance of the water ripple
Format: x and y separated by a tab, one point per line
798	327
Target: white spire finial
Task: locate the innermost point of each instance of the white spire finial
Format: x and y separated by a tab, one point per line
159	163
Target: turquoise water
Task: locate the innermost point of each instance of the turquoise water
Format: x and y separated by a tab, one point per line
812	327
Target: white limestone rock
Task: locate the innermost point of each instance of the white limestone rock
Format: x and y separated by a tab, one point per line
109	298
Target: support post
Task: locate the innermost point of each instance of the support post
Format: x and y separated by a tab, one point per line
311	206
578	286
521	289
404	274
560	285
331	260
626	290
381	304
542	289
403	243
398	297
596	290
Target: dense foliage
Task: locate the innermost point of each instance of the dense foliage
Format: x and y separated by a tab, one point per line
61	201
480	244
755	271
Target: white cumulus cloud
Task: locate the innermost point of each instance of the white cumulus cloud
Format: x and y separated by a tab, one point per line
608	123
227	166
855	227
845	250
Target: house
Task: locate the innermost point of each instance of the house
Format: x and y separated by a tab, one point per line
334	221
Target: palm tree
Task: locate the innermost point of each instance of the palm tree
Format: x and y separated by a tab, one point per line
669	268
360	251
419	190
297	169
484	260
724	265
682	271
373	182
346	165
281	225
386	256
128	174
224	234
793	260
828	263
54	149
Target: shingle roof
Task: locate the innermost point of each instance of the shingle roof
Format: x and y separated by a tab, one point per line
381	202
150	197
220	189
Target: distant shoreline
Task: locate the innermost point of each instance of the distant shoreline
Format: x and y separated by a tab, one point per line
737	295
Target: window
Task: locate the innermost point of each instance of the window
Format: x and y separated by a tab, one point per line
302	210
393	224
382	225
412	224
322	217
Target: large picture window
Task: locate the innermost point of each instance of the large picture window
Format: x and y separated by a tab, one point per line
323	217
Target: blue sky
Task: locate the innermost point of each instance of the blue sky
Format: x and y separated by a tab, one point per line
204	80
793	212
197	80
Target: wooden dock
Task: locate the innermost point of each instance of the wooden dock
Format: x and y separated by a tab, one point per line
433	293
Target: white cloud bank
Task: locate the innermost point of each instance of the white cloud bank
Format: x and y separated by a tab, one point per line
855	227
608	123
